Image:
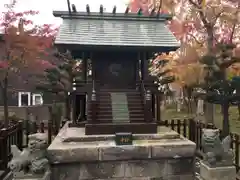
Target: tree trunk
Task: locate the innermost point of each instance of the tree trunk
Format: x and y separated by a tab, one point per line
179	98
238	92
225	125
5	102
56	118
239	112
179	105
210	108
200	109
209	113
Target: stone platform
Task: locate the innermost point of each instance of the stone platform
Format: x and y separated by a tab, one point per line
217	173
162	156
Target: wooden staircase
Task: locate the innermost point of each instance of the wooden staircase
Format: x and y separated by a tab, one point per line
118	110
135	106
119	106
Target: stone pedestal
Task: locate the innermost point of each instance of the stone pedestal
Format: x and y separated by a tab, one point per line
217	173
165	155
22	176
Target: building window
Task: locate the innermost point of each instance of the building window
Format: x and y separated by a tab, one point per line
37	99
28	99
24	99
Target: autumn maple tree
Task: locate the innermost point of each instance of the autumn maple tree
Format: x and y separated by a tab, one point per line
213	26
22	46
206	24
203	27
160	69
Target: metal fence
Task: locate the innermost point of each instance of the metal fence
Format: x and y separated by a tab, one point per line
17	134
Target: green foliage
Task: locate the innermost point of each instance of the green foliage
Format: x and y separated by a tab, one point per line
219	89
59	79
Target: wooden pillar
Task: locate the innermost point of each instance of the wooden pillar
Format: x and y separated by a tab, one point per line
148	95
145	66
93	108
158	103
148	110
93	97
73	98
141	65
93	67
84	59
83	104
137	69
153	105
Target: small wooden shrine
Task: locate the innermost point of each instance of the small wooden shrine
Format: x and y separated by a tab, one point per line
118	93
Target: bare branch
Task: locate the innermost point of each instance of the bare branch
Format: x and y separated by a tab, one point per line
235	23
194	4
200	11
216	17
194	37
230	62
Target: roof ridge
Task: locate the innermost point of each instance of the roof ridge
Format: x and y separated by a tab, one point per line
110	16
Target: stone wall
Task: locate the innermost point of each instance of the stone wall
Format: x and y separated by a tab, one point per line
163	156
162	169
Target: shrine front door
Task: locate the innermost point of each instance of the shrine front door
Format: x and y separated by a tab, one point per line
116	74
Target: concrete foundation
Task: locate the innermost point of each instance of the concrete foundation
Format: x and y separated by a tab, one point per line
162	156
217	173
23	176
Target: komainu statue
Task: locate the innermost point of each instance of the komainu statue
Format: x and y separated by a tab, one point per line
33	158
216	152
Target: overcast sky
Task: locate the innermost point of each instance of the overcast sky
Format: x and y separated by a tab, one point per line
45	7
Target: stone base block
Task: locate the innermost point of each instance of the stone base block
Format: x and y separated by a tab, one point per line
149	169
217	173
22	176
161	156
178	177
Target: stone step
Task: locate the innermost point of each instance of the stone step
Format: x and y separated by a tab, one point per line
109	119
121	119
135	101
109	108
106	95
121	116
119	113
119	90
119	101
102	102
109	112
129	94
128	97
121	106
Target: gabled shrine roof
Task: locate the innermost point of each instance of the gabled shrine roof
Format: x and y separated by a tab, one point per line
118	30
